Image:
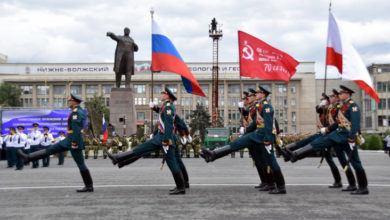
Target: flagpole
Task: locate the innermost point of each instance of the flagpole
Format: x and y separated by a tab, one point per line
326	53
152	90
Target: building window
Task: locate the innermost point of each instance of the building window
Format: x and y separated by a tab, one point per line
107	101
293	116
293	129
382	121
186	101
27	102
382	104
75	89
43	90
203	101
381	86
293	101
141	116
43	102
233	88
59	102
156	88
173	88
26	90
59	90
293	90
367	105
155	100
280	88
368	122
139	88
107	89
140	101
205	88
221	90
92	89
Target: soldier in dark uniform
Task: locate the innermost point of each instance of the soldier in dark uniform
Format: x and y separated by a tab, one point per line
73	142
342	135
263	125
164	139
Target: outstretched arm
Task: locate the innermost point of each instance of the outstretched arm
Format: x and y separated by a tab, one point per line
113	36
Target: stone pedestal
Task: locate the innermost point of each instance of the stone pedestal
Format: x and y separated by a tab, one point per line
122	111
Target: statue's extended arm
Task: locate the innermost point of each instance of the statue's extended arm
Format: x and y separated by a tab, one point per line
113	36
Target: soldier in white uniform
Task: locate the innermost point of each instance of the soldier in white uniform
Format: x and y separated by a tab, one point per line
46	141
9	146
35	140
20	141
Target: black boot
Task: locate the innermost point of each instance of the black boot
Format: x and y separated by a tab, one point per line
362	181
32	156
180	186
87	181
185	177
262	178
280	184
287	151
351	181
337	178
128	161
302	153
270	182
210	156
120	157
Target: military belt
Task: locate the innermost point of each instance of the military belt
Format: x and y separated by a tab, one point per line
71	131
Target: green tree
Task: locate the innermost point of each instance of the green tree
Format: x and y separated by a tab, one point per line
9	95
375	142
200	120
95	110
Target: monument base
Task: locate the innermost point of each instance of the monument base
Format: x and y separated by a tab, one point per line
122	111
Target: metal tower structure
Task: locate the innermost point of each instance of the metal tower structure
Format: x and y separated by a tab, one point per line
215	32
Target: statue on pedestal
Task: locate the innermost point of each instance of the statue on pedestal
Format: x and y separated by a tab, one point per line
124	57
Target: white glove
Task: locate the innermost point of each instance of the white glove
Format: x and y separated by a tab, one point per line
281	143
363	140
166	148
351	145
151	104
323	102
155	102
151	136
189	139
241	105
242	130
183	139
268	148
323	130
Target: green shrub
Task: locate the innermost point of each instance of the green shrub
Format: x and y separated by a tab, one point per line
374	142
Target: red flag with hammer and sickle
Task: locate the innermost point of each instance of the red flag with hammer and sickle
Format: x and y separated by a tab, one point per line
260	60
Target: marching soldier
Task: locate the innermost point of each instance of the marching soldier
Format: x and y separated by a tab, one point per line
46	141
164	139
125	143
61	155
262	136
35	140
343	134
115	145
188	149
73	142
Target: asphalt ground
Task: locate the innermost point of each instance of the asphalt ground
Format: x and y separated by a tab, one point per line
223	189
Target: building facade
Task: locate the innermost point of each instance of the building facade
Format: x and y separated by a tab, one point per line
48	85
376	115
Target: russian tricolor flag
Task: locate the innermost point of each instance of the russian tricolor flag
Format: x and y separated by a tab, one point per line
105	131
166	58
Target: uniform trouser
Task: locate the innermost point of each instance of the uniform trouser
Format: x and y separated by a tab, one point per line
46	160
307	140
95	151
61	156
18	159
256	139
34	148
27	151
10	156
339	141
154	145
105	149
86	151
77	154
178	158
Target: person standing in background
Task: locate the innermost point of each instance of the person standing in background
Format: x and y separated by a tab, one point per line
35	142
61	155
46	140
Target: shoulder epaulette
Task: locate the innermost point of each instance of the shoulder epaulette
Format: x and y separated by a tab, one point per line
265	102
257	104
351	101
168	104
75	110
338	106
